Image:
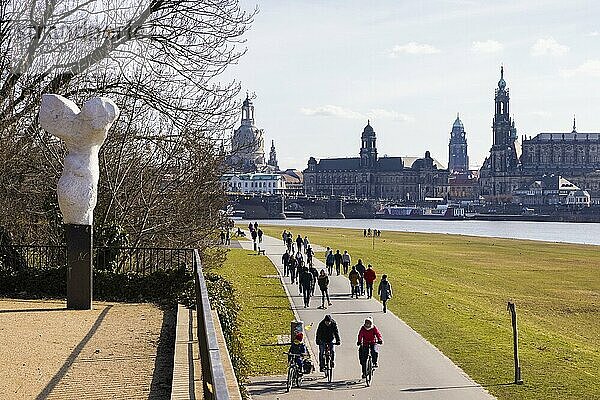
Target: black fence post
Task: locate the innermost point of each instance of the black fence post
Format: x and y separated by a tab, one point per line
513	315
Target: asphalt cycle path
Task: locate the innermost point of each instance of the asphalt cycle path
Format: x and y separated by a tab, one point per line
409	366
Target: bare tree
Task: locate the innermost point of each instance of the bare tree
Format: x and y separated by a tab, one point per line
159	59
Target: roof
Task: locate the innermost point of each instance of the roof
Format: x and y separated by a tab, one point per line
329	164
390	164
293	176
571	136
409	161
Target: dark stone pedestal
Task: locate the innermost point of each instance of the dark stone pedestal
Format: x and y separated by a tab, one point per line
79	266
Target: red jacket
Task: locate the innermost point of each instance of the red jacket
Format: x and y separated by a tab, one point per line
370	275
369	336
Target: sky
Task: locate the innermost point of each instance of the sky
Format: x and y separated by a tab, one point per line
320	69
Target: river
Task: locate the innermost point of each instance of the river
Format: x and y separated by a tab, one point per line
565	232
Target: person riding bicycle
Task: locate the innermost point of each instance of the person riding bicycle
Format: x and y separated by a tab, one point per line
298	351
368	339
327	332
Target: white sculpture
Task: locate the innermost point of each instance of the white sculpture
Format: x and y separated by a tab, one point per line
83	131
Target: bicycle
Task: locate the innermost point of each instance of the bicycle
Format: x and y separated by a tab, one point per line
294	375
328	362
369	366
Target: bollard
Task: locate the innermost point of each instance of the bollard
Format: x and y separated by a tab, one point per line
513	315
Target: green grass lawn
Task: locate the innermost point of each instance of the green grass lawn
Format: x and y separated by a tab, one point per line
454	290
265	310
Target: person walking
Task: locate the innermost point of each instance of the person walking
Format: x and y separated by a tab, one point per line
299	243
309	255
228	238
385	291
329	261
370	277
306	282
305	243
353	276
255	225
292	269
364	233
315	275
260	235
285	259
289	241
360	268
323	282
346	260
284	237
338	261
222	237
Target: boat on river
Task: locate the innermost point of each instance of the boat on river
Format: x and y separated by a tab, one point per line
442	212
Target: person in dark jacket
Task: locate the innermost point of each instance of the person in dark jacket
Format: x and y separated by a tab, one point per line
329	261
285	259
306	282
360	268
385	291
259	232
315	275
338	261
292	268
299	243
323	281
327	332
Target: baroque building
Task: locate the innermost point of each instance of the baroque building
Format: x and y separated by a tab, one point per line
572	155
458	159
247	143
371	176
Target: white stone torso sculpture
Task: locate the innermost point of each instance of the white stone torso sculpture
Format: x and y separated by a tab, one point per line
83	132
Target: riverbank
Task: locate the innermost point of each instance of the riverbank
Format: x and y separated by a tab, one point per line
454	289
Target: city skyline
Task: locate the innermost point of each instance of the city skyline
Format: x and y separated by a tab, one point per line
320	70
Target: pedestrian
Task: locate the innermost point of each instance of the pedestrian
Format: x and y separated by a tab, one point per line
289	243
385	291
360	268
222	237
315	275
346	260
306	281
329	261
284	237
292	269
370	277
260	235
369	232
323	281
364	233
255	225
309	255
250	227
299	242
254	236
228	238
338	261
353	276
285	259
306	243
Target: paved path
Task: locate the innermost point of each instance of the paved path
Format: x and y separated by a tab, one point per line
409	366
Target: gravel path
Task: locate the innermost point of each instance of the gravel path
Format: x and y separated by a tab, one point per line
114	351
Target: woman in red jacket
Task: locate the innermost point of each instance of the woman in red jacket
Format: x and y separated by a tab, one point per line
368	339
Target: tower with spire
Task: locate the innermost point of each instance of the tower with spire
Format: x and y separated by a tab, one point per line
247	143
458	160
368	149
273	156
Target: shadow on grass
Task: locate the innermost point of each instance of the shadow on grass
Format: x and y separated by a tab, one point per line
73	356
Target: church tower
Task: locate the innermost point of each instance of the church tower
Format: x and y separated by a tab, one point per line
273	156
458	160
368	150
247	143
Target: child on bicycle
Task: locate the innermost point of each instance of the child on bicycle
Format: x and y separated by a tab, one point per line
368	339
298	351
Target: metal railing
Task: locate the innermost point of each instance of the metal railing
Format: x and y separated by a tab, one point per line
213	373
140	260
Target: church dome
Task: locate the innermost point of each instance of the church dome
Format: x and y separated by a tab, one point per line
368	131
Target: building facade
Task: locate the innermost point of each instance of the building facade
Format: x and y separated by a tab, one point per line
258	183
371	176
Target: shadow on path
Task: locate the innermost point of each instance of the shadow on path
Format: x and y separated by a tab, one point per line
313	382
160	388
428	389
33	310
73	356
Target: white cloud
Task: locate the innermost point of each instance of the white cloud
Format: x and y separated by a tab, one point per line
413	48
589	68
549	46
594	33
341	112
488	46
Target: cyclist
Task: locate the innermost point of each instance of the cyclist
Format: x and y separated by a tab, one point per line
327	332
298	351
368	339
